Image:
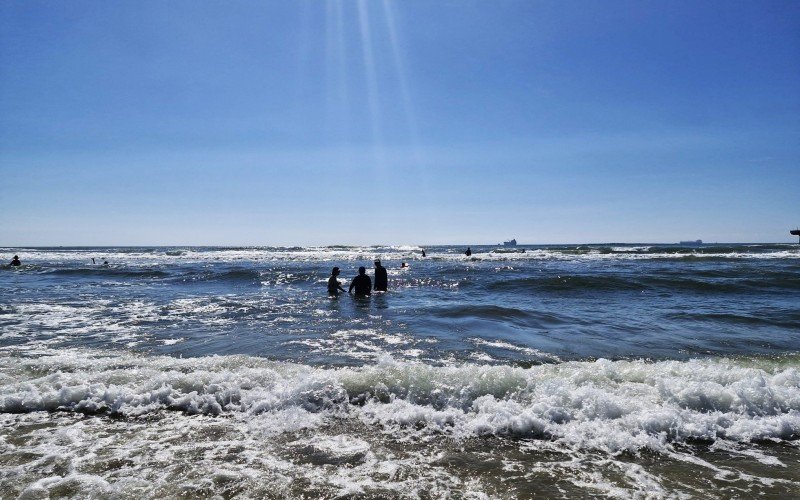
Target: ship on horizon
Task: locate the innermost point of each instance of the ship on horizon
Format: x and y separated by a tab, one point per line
691	242
510	243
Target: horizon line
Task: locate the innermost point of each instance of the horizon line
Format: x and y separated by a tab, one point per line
421	245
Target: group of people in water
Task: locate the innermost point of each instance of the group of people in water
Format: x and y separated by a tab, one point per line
361	284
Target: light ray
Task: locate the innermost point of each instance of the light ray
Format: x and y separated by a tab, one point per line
420	170
372	83
344	95
330	71
400	71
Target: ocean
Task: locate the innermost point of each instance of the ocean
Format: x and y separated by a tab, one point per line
556	371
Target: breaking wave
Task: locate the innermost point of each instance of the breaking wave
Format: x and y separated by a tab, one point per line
167	255
607	405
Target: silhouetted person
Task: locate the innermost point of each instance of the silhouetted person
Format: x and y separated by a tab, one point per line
15	261
93	262
381	278
403	266
333	284
468	252
423	252
105	263
361	283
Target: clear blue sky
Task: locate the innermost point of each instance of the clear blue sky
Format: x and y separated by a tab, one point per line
323	122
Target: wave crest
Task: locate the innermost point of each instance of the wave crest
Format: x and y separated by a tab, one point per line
609	405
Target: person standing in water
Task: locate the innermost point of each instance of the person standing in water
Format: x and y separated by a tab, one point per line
381	278
333	284
468	252
15	261
361	283
423	252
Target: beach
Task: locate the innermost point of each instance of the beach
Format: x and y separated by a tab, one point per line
560	371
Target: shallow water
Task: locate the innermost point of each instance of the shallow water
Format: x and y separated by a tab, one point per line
560	371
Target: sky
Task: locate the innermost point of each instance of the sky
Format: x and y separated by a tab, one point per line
398	122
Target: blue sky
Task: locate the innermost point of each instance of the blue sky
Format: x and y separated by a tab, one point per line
408	122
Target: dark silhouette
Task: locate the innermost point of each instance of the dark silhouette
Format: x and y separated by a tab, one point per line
105	263
333	284
361	283
423	252
15	261
93	262
381	279
404	265
468	252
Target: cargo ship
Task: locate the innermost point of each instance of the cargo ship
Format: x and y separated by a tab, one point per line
692	242
510	243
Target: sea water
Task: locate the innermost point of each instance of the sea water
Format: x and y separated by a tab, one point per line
560	371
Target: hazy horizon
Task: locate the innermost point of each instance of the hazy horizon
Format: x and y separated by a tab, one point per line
395	245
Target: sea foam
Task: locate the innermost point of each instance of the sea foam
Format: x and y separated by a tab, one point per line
607	405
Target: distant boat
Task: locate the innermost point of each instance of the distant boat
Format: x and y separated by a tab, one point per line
693	242
510	243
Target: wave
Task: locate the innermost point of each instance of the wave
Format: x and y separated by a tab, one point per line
230	275
224	274
711	282
495	312
608	405
243	275
678	249
239	425
567	283
108	272
487	311
782	320
172	255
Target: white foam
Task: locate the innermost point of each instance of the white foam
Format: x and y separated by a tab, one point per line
500	344
158	259
622	405
336	448
362	344
634	249
332	415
